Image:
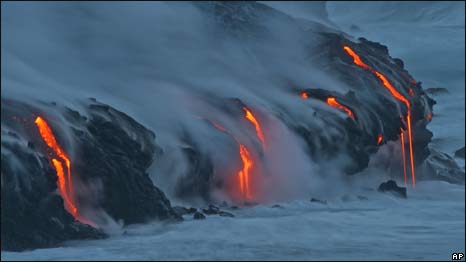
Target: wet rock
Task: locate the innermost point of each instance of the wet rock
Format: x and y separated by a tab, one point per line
211	210
198	179
315	200
391	186
117	150
399	62
460	152
198	215
225	214
183	210
441	166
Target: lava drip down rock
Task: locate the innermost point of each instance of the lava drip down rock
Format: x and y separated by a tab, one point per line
109	154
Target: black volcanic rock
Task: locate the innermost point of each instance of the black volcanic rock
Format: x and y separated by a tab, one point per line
184	211
211	210
198	215
391	186
460	152
441	166
117	150
225	214
109	149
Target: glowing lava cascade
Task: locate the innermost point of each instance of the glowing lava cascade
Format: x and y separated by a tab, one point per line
331	101
403	154
357	60
244	175
248	163
64	181
250	117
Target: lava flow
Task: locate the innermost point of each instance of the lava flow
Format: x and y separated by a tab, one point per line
243	175
249	116
379	139
402	139
357	60
331	101
64	181
304	95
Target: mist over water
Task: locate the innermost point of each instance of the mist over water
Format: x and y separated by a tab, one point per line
165	65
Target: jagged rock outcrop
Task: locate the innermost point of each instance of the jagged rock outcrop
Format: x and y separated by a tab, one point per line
392	187
441	166
109	154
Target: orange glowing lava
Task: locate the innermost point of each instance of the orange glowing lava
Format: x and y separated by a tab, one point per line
304	95
243	174
331	101
64	181
357	60
402	138
249	116
411	155
379	139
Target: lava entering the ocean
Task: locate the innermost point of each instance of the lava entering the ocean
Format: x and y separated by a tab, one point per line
243	175
331	101
64	181
357	60
251	118
403	155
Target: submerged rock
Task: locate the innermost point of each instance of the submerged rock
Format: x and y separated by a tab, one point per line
181	211
391	186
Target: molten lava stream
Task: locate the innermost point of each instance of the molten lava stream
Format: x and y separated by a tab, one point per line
403	155
357	60
250	117
64	181
243	175
379	139
331	101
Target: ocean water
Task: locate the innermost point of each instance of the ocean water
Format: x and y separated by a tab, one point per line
429	225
